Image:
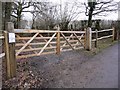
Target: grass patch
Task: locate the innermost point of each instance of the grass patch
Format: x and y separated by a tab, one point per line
102	44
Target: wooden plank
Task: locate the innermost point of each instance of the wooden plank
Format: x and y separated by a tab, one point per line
12	57
37	38
45	39
44	31
67	41
33	31
76	43
41	43
88	39
93	40
85	39
7	55
80	32
71	41
58	43
113	33
21	44
96	36
32	55
47	44
105	30
105	37
26	44
71	49
71	45
26	38
36	49
79	40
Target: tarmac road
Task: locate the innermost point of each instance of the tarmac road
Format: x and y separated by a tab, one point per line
74	69
78	70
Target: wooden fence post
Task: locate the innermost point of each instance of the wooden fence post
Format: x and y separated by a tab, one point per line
88	39
85	39
58	41
96	36
113	33
10	50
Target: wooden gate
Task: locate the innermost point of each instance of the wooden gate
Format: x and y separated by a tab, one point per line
31	43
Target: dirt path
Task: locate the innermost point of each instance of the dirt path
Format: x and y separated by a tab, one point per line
79	70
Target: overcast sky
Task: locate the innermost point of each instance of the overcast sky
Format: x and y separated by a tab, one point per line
110	16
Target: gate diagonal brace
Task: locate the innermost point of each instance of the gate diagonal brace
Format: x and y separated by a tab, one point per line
45	40
79	40
26	44
67	41
47	44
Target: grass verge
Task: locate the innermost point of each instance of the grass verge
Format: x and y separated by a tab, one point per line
102	44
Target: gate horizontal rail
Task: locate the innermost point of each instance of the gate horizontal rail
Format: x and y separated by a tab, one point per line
97	38
40	44
102	31
43	31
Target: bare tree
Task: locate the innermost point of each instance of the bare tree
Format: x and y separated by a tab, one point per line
99	7
45	12
69	12
53	14
18	8
34	16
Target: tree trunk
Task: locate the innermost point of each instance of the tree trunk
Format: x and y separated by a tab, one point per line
8	9
90	17
18	18
64	25
19	13
18	22
33	24
0	15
